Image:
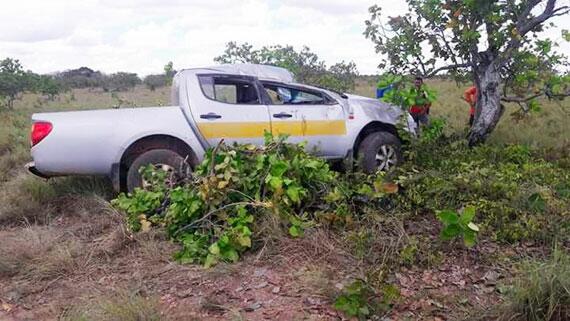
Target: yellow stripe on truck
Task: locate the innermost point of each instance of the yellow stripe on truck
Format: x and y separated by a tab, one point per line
256	129
233	130
310	128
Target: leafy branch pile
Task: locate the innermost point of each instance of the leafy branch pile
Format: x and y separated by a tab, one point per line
215	214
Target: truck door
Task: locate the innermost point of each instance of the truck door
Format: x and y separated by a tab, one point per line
230	108
308	115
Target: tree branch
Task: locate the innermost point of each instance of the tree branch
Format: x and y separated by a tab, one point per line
511	99
449	67
525	25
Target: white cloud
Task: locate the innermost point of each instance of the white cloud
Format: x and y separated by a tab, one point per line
142	35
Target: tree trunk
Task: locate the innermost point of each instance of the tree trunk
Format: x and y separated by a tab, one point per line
489	108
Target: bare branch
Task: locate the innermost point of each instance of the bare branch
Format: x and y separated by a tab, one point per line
448	67
521	99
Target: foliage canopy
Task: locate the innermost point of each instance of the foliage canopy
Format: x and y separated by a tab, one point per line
304	64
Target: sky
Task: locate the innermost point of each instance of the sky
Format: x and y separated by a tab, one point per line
143	35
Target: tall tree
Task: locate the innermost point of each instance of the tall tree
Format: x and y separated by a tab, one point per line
496	42
13	81
169	72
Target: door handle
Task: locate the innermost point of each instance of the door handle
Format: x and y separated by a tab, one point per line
210	116
282	115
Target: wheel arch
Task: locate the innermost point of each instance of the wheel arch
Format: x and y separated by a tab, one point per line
375	126
150	142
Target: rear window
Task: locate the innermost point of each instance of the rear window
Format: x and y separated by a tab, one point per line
229	90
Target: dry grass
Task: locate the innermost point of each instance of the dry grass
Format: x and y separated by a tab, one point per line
40	252
540	292
26	198
118	306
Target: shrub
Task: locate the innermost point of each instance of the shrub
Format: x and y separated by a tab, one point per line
516	194
121	81
155	81
81	78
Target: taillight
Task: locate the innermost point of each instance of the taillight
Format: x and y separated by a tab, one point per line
40	130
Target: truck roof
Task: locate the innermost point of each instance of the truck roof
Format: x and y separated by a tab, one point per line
263	72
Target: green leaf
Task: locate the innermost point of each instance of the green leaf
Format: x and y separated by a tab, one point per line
468	215
278	169
469	238
295	231
293	193
244	241
231	255
473	227
276	183
448	217
450	232
210	261
214	249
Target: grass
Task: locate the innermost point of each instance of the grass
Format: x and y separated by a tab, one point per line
35	247
121	306
540	292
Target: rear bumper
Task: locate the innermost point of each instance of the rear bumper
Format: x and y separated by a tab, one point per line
31	167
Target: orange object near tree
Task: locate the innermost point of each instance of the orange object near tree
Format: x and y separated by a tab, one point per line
470	96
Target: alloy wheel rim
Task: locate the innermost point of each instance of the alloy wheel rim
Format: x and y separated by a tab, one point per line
386	158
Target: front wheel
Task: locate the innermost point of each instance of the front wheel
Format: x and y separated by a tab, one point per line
163	159
379	151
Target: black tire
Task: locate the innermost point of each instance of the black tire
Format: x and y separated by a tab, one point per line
377	144
154	157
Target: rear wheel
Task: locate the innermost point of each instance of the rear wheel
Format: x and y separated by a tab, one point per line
161	159
379	151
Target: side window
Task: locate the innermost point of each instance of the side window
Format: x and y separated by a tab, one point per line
229	90
282	95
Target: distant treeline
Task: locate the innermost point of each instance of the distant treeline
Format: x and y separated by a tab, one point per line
88	78
14	81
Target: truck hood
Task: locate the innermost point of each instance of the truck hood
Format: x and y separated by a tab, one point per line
375	108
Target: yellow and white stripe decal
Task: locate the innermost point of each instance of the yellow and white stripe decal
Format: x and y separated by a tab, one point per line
256	129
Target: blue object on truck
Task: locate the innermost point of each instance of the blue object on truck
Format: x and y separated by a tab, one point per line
381	91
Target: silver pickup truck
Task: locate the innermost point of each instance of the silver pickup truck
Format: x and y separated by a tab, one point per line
236	103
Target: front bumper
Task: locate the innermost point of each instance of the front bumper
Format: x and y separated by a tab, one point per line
31	167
